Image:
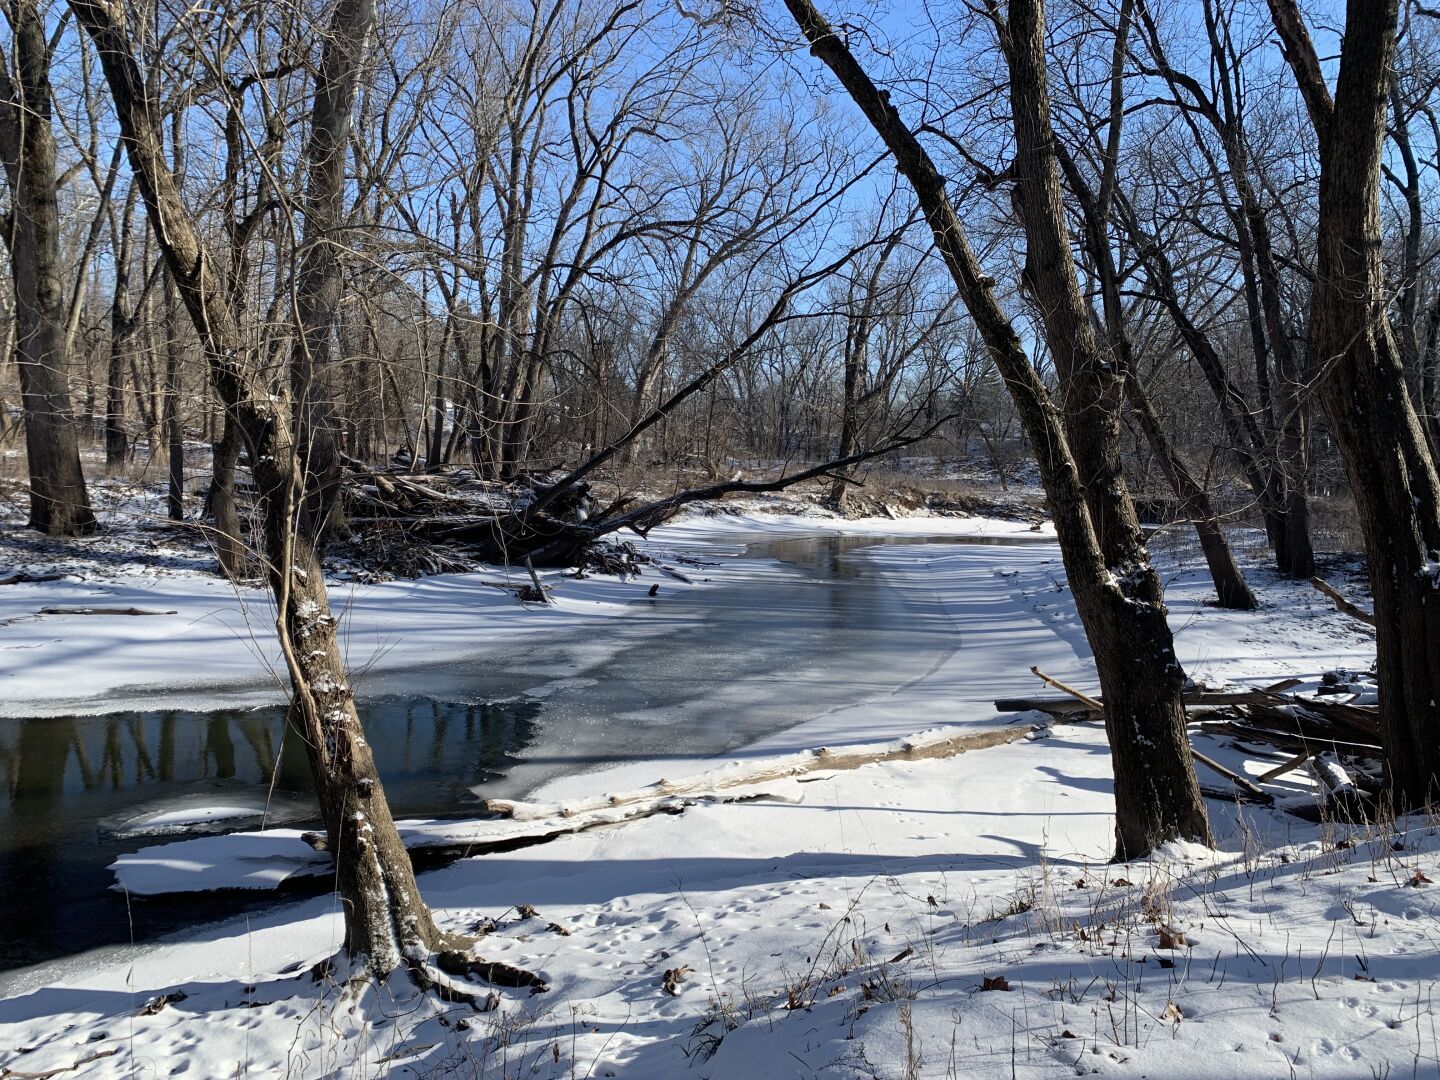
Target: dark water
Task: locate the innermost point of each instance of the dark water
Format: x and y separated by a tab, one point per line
76	789
686	677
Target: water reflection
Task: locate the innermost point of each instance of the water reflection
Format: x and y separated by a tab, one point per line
74	788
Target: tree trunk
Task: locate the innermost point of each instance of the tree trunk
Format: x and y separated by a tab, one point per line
387	925
1363	387
59	502
1231	589
1157	796
174	432
122	342
321	276
1230	586
220	502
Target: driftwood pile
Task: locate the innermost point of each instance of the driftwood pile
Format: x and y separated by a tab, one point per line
453	521
1326	731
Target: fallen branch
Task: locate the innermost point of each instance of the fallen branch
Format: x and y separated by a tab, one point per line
26	579
537	591
1290	765
1342	604
1244	783
46	1074
101	611
1089	702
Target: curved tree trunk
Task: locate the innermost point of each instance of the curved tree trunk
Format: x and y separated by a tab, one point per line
387	924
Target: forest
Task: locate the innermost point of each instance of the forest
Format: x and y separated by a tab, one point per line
522	521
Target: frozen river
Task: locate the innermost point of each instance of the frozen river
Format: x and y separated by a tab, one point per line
690	675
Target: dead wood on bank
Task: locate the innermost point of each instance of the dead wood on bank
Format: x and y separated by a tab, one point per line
460	521
1323	730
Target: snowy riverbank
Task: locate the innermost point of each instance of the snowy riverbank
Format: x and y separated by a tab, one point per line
848	927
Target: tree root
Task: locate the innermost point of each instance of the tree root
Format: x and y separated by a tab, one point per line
449	969
448	975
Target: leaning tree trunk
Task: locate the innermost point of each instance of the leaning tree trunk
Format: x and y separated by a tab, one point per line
1363	387
1157	796
387	924
1156	792
59	502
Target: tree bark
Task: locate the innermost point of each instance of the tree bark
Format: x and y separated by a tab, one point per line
122	341
387	925
1117	594
320	276
174	433
59	501
220	500
1363	387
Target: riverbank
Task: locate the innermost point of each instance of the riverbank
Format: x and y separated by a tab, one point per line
854	931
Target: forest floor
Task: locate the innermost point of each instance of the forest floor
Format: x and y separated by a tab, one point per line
944	917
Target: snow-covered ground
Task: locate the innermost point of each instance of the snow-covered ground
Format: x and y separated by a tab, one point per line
942	917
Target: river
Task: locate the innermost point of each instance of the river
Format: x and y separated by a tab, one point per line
691	676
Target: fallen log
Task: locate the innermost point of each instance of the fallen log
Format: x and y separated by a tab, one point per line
1299	718
1079	703
26	579
796	765
1286	740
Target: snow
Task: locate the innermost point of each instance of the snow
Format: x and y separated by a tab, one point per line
951	916
219	642
176	819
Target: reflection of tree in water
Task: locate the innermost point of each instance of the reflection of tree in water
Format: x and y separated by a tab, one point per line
432	748
33	847
62	779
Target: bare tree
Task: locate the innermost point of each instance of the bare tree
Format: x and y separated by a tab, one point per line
1095	211
387	923
1116	591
